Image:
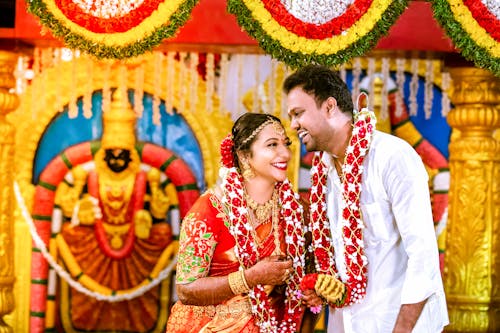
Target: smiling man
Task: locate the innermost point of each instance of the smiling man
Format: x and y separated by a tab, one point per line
370	213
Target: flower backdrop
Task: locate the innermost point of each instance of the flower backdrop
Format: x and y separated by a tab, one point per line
474	28
112	28
316	31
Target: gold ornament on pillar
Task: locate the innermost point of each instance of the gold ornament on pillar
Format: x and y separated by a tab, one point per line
472	264
8	103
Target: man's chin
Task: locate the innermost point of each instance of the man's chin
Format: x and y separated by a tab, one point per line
309	146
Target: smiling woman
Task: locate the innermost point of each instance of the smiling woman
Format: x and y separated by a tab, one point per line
242	246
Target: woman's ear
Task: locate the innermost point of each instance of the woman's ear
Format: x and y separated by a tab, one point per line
242	158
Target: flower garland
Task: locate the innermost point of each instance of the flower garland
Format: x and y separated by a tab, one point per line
112	29
351	30
474	28
246	248
355	262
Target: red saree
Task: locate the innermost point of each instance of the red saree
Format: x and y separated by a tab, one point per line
207	249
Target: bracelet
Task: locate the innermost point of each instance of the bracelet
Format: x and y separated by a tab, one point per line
243	278
238	283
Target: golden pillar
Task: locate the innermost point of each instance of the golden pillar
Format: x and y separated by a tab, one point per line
472	262
8	102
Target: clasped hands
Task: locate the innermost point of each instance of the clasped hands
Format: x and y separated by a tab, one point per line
273	270
318	288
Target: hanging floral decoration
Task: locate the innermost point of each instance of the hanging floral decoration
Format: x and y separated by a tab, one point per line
474	28
316	31
112	28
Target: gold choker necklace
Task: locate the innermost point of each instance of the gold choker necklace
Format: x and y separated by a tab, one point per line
262	211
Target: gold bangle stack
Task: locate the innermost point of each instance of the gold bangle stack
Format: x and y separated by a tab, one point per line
238	283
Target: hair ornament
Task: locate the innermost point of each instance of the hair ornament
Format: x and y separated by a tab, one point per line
226	151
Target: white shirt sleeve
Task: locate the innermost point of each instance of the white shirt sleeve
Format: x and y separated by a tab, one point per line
407	188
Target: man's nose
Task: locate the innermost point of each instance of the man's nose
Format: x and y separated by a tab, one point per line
294	124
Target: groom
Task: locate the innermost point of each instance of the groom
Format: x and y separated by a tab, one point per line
370	213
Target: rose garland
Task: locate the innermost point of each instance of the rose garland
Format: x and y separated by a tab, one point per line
246	248
353	269
474	28
112	29
350	31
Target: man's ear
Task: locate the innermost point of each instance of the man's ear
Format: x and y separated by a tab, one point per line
331	105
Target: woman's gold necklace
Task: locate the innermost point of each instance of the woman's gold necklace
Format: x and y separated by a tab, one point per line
262	212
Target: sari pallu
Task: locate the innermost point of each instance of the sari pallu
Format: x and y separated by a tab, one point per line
207	249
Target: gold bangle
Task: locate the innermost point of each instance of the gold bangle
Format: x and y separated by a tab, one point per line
237	283
244	279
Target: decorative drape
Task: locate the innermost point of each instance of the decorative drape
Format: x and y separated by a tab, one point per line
329	32
112	28
474	28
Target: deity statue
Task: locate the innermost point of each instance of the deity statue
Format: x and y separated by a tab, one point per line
115	230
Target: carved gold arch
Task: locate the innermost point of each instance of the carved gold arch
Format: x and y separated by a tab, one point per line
52	90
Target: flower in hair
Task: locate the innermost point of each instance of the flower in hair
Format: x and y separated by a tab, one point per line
226	151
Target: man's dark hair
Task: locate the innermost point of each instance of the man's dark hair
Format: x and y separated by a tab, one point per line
321	82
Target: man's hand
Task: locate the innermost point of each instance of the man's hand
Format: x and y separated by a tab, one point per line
407	317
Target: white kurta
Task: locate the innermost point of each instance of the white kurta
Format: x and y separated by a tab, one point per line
400	241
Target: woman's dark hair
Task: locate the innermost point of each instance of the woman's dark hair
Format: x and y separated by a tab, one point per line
245	132
321	82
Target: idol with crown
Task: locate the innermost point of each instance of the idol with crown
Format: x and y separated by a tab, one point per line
116	230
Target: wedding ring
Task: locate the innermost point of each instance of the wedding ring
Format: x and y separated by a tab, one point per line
287	272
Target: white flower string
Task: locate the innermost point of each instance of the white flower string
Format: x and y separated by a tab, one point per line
158	66
210	82
343	72
400	81
445	99
429	84
354	261
193	71
247	253
272	87
256	100
370	73
169	90
384	110
414	87
222	86
63	274
87	96
356	76
73	98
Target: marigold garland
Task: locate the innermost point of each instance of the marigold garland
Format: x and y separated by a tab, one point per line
473	30
352	270
297	43
125	36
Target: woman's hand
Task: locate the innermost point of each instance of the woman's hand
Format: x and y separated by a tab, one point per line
273	270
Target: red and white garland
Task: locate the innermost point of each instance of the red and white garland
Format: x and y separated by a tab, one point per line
355	261
246	248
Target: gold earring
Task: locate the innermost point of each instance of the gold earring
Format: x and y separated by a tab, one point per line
247	171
